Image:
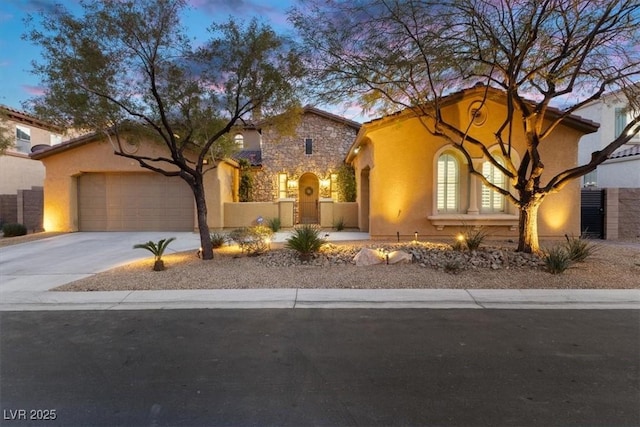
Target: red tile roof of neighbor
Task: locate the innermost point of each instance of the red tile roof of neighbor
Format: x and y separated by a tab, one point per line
23	117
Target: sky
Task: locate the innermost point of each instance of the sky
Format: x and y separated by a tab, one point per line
17	84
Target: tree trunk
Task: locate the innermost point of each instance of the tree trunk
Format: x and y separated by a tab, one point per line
528	228
203	227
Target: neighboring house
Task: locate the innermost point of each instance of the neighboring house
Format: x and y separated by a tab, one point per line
89	188
301	166
21	178
622	170
17	170
410	181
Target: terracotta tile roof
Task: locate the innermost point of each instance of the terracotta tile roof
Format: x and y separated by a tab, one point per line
23	117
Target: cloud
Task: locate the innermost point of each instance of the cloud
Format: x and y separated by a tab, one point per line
33	90
274	11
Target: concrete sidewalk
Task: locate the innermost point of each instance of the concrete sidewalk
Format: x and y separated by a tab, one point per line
324	298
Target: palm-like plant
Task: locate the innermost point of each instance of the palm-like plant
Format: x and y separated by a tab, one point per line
157	249
305	240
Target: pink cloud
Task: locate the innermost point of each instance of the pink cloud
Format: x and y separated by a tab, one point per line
34	90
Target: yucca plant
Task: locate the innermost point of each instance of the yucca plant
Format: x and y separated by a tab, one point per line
157	249
578	248
339	224
217	239
557	260
275	224
306	241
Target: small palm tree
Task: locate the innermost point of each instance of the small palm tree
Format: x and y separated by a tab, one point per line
157	249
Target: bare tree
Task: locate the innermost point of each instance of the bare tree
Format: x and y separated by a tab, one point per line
128	68
392	54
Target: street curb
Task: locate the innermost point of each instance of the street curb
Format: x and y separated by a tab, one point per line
290	298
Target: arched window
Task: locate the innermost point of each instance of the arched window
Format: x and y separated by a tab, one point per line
448	184
239	140
492	201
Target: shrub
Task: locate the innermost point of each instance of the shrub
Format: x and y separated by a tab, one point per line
157	249
339	224
471	238
253	240
217	239
306	241
453	267
578	248
556	260
346	184
274	224
13	230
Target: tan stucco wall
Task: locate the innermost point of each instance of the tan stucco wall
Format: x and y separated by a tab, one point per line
19	172
245	214
402	154
63	169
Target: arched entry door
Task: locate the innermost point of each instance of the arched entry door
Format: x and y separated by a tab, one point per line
308	187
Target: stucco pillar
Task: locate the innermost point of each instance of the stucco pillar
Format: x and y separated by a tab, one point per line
285	212
326	213
473	189
612	213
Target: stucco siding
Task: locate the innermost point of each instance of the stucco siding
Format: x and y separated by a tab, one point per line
402	156
64	168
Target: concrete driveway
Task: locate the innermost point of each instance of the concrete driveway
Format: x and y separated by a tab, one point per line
44	264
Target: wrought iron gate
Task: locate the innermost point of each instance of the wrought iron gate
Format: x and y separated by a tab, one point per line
592	213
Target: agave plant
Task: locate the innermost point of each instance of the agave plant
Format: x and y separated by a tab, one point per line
157	249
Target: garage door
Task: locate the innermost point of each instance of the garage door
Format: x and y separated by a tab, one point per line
134	202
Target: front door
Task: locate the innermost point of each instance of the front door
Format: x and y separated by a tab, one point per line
308	187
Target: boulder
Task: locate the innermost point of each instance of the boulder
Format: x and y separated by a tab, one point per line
368	256
400	257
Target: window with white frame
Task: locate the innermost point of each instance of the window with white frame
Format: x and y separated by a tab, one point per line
238	139
492	201
23	139
448	184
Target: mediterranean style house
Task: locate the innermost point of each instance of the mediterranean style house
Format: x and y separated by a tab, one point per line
410	181
622	169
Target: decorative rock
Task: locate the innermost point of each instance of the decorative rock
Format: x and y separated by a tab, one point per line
400	257
368	256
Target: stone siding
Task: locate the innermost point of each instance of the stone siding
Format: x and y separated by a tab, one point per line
629	212
286	154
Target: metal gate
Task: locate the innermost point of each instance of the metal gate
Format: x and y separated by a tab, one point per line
592	213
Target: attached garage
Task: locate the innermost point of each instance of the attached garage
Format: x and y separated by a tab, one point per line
134	202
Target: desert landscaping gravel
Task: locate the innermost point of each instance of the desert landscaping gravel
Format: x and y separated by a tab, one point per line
612	266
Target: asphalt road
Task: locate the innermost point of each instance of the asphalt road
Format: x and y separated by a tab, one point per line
320	367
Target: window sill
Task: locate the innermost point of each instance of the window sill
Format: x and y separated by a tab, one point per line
441	221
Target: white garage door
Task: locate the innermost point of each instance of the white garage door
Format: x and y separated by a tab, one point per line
134	202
